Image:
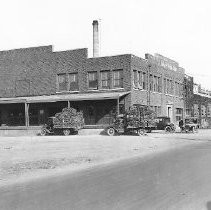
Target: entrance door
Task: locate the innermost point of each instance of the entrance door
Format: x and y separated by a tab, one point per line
90	115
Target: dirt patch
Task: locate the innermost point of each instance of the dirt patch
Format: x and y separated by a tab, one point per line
22	157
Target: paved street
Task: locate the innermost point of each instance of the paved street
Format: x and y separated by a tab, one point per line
175	179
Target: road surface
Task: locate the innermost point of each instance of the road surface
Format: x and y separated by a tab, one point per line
177	179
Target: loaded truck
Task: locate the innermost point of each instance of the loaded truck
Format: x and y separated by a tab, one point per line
138	119
67	122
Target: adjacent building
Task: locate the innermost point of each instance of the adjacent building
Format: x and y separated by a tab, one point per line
197	102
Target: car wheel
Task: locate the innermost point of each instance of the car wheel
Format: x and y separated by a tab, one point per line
168	129
66	132
141	132
43	132
149	130
111	131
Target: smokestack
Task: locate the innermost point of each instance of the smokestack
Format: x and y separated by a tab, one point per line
95	38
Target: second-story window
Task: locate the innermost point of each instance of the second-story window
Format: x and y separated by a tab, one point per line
135	78
93	81
73	82
159	85
118	78
62	82
144	80
105	79
151	82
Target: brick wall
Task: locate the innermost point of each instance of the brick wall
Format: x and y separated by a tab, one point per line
32	71
157	99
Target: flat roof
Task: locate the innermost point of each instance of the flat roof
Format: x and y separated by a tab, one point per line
64	97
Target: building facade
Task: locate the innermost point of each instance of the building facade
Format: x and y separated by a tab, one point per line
197	102
36	83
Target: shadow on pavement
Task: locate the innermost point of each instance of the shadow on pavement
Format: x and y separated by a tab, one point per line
209	205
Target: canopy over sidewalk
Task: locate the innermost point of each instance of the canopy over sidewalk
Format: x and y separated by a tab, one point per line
64	97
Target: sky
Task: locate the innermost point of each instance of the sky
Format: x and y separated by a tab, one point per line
179	29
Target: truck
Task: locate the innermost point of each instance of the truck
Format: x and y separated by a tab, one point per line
137	119
67	122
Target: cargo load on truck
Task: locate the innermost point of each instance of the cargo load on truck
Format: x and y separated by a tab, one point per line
69	121
137	119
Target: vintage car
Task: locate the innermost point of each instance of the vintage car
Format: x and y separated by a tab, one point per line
163	123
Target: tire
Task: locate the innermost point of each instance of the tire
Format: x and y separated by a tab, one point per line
195	130
43	132
149	130
141	132
111	131
66	132
168	129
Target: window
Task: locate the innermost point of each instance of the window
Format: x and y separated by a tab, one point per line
118	78
73	82
150	82
180	90
179	113
171	87
144	81
176	88
159	111
156	84
159	85
62	82
67	82
93	82
105	79
165	85
168	86
135	78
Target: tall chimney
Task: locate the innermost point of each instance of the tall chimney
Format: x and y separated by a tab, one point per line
95	38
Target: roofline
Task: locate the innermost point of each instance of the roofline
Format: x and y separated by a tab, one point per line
26	48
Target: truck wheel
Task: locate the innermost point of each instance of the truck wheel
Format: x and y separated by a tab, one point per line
111	131
43	132
66	132
141	132
194	129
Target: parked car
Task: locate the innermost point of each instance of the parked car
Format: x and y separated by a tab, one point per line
164	123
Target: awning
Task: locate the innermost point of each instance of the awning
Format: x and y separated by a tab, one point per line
65	97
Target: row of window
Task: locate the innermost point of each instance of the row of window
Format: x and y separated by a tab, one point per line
106	80
114	79
155	83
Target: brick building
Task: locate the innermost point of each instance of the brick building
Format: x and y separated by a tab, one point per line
35	83
197	102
